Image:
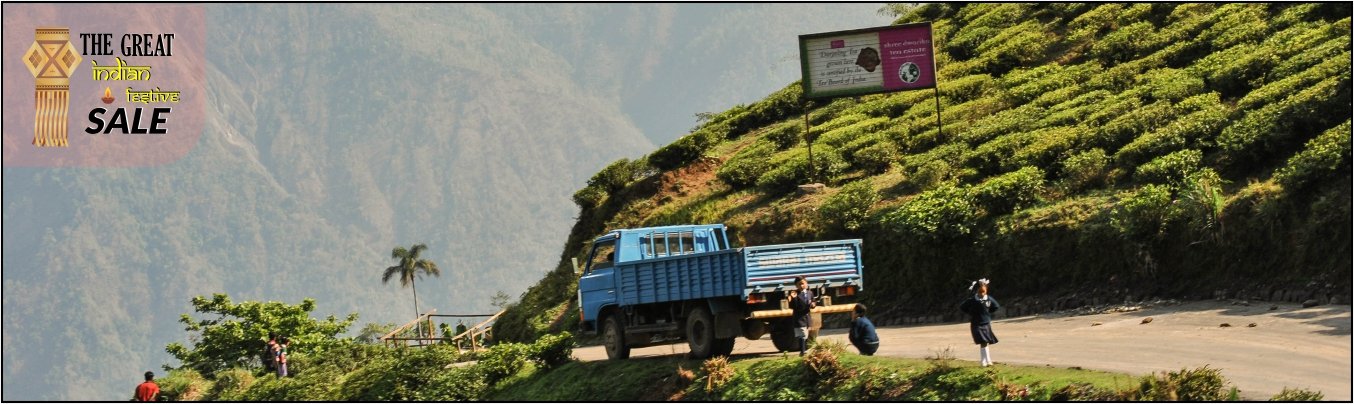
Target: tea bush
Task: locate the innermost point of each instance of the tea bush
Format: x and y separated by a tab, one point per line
1170	169
941	213
1323	157
1009	192
551	351
849	208
743	169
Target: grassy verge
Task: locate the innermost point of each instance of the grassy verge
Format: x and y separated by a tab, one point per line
825	375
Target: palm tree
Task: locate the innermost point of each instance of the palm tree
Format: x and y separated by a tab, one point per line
409	267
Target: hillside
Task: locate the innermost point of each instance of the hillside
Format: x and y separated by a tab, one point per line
1090	153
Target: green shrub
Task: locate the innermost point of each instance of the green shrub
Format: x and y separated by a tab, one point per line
1296	394
794	171
1075	110
968	88
992	156
876	158
1044	147
1009	192
1127	43
848	208
455	384
1273	126
942	213
1191	130
1201	384
786	135
1173	85
1004	122
1331	49
1289	85
1144	212
502	360
840	136
229	386
1091	24
1325	156
1239	23
1170	169
1084	169
589	197
747	165
1022	45
189	385
551	351
686	149
614	177
1124	128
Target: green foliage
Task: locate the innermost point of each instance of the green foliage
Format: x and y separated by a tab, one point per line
1326	156
1009	192
551	351
503	360
795	170
786	135
1170	169
876	158
184	385
1192	130
1172	85
840	136
614	177
1291	84
1200	384
942	213
1274	126
968	88
589	197
1084	168
1127	43
1145	212
233	335
743	169
849	208
686	149
1296	394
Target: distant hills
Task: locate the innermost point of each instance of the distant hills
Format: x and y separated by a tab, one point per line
335	133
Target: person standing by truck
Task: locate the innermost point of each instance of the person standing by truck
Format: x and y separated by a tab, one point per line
980	308
801	304
862	333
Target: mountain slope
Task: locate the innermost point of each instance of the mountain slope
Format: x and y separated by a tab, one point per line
1091	153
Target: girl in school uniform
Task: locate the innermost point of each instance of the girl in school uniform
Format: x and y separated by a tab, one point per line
980	307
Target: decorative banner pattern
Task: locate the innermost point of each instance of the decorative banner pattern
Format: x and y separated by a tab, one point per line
51	59
867	61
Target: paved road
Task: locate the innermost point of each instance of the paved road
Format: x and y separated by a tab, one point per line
1290	346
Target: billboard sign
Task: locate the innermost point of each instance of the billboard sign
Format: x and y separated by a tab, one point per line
867	61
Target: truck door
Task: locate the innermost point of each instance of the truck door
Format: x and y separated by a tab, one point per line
597	286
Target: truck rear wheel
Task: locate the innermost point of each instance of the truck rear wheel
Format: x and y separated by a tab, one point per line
700	333
783	336
723	346
614	334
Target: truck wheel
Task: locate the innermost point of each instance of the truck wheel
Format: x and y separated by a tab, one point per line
614	335
700	333
723	346
783	336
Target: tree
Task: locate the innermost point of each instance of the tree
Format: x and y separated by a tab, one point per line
409	268
234	338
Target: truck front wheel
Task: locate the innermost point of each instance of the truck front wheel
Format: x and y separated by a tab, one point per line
614	334
700	333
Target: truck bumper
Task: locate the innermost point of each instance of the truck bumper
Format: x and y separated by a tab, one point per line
835	308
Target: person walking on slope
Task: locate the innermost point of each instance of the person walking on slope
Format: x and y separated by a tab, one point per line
979	309
148	390
282	357
862	333
801	304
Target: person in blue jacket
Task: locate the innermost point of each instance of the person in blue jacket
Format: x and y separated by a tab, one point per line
862	333
979	309
801	304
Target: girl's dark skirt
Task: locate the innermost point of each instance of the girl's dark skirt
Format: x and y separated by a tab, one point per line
982	334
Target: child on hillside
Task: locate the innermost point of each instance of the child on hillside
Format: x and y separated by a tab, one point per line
862	333
282	357
980	308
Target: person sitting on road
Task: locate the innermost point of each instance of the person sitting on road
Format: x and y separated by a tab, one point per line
862	333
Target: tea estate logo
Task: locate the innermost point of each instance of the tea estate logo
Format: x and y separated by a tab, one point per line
51	59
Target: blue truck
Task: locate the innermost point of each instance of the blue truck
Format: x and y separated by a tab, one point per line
657	285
